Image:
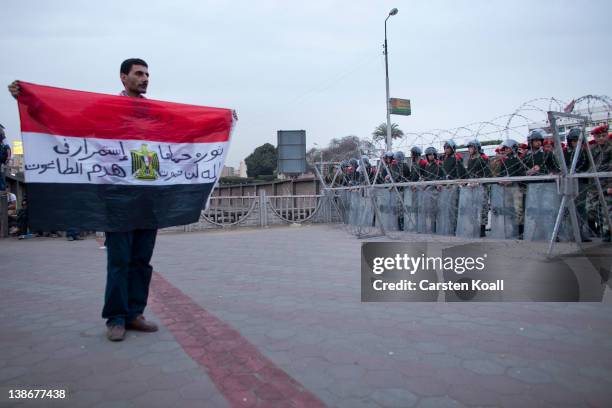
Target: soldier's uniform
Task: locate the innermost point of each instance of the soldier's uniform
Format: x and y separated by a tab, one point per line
453	163
582	166
416	164
541	157
602	156
385	175
512	166
478	167
432	169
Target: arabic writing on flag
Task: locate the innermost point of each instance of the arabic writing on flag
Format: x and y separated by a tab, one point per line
114	163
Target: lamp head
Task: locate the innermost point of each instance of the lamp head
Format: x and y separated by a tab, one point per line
393	12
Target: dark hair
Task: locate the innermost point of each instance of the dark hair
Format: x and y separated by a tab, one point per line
126	66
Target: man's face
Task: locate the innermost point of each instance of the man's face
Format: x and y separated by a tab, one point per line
506	151
448	150
536	144
573	143
137	80
601	138
472	150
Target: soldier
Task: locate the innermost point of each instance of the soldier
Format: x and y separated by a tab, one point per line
511	165
602	156
478	167
384	175
582	166
352	170
537	159
416	163
452	162
344	173
432	169
478	162
403	170
364	171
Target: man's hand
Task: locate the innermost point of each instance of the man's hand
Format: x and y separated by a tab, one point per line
235	115
533	170
610	191
14	89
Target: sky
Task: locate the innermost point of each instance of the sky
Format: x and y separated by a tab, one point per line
315	65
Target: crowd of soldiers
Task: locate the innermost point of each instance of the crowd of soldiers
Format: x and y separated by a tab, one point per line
512	159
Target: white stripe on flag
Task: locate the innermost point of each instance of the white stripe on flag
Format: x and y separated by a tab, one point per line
63	159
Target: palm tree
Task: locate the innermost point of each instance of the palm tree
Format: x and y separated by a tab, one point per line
380	133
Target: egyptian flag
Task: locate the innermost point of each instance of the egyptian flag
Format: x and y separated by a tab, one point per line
114	163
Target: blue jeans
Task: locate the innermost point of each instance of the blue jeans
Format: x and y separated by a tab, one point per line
128	274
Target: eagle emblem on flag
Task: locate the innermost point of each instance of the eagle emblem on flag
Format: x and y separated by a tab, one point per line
145	164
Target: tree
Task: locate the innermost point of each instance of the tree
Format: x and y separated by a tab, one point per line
380	133
341	149
262	162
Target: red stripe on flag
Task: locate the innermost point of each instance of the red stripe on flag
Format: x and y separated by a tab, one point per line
65	112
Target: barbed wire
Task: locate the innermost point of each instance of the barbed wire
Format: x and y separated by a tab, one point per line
512	125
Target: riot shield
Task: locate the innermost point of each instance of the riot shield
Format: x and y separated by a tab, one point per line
361	212
470	211
504	218
411	206
344	202
428	202
541	208
446	217
388	208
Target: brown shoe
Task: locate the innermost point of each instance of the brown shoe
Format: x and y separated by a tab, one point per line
140	324
115	332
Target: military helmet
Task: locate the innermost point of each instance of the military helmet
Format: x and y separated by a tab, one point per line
389	155
416	151
450	143
344	163
431	150
536	134
399	156
512	144
574	134
354	162
365	159
475	143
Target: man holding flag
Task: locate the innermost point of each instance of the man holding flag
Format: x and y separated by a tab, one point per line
176	154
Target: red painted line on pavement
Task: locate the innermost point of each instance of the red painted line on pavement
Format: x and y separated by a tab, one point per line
244	376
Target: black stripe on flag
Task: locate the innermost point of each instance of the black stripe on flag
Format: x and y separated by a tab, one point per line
113	207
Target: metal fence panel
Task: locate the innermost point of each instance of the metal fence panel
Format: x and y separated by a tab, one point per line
411	209
388	208
504	218
470	211
446	217
541	208
428	203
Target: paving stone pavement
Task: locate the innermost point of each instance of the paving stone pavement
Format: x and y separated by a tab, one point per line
273	317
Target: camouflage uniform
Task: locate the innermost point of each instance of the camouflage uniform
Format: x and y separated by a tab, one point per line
478	167
453	167
602	156
513	166
432	171
545	160
582	166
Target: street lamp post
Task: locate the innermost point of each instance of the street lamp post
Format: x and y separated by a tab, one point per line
391	13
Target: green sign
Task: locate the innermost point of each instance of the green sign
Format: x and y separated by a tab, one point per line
400	106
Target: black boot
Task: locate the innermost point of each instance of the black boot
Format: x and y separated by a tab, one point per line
482	231
521	230
606	237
